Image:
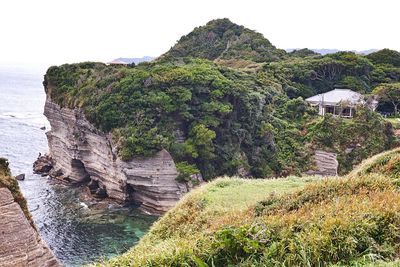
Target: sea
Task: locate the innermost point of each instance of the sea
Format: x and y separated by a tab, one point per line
77	230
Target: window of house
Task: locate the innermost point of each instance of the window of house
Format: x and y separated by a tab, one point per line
346	112
329	109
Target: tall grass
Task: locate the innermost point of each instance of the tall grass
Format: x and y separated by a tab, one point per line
349	221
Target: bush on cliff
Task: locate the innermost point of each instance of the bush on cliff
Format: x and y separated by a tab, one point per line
352	140
352	220
202	113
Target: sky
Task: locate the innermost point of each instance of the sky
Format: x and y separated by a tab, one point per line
67	31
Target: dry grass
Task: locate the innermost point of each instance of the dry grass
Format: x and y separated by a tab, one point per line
352	220
225	201
378	163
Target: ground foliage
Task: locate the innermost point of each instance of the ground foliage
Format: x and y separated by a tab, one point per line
348	221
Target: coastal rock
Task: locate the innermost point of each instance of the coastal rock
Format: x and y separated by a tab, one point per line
20	177
43	164
20	244
82	154
326	164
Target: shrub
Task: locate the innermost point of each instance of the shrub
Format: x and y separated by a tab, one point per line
186	171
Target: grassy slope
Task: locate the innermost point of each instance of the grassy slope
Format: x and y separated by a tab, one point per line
223	201
386	163
351	220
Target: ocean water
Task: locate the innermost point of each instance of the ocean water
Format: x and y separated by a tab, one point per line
78	230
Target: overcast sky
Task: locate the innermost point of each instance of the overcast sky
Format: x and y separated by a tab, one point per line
58	31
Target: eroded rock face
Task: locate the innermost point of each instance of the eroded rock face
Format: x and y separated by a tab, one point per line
20	244
326	164
82	154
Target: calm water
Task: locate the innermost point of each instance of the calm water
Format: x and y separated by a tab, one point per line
77	231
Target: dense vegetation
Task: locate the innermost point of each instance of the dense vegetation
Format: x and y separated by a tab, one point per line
307	76
222	39
349	221
220	120
390	93
352	140
385	57
204	114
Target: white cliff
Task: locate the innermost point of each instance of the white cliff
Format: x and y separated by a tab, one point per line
83	154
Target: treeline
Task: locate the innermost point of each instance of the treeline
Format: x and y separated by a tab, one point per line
313	74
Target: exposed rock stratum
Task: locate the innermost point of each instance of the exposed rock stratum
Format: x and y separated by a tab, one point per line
20	243
83	154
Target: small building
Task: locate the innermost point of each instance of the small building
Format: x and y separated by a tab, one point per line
341	102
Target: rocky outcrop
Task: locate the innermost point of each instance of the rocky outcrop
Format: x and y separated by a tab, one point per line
83	154
43	165
20	243
326	164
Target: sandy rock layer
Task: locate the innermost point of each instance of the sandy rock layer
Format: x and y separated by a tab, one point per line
20	244
83	154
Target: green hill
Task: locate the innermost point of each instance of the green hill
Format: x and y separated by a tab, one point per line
223	40
385	56
353	220
217	118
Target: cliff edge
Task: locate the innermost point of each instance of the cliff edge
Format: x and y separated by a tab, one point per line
83	154
20	243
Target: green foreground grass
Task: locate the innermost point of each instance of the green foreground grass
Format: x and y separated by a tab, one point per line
348	221
235	194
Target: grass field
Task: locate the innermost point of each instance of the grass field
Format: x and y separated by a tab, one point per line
348	221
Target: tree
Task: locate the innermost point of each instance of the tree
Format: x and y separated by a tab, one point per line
385	56
389	93
202	138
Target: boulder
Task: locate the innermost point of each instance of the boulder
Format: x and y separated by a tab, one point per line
43	165
20	177
326	164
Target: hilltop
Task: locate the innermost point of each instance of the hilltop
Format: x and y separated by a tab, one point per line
222	39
